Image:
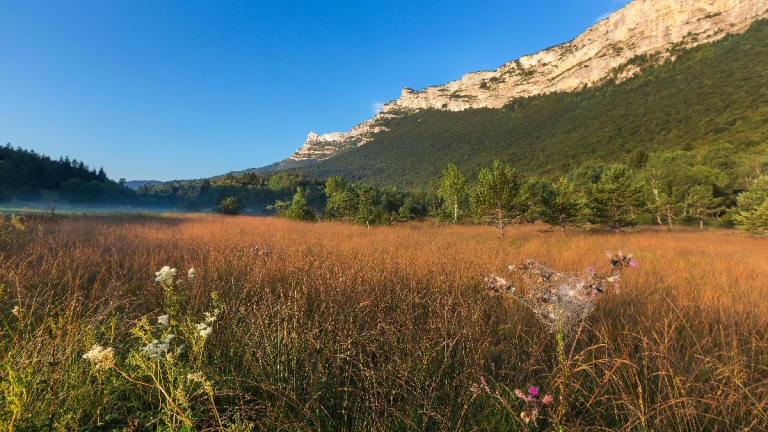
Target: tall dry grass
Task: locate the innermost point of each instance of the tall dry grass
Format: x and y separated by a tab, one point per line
345	328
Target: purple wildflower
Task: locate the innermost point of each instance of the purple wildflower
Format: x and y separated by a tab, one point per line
533	403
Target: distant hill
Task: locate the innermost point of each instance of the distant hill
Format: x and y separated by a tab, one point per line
135	184
24	174
711	100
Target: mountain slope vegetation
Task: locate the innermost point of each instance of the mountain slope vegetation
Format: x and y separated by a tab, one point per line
711	100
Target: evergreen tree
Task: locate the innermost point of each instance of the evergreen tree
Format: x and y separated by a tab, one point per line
299	209
561	204
614	200
229	206
702	204
752	207
493	199
531	200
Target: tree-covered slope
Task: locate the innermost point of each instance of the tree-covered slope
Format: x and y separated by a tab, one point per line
711	99
24	174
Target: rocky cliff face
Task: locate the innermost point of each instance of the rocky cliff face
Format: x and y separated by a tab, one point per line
650	28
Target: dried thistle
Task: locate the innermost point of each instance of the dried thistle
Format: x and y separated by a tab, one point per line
561	300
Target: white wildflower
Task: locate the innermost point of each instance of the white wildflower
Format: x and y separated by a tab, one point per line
191	275
165	274
157	349
162	320
210	318
197	376
203	329
101	357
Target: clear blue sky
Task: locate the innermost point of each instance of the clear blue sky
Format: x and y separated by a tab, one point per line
157	89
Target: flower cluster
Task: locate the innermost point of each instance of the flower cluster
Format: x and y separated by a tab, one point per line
533	403
191	275
560	300
101	357
197	376
157	349
162	320
166	274
204	329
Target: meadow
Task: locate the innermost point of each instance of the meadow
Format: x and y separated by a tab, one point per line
338	327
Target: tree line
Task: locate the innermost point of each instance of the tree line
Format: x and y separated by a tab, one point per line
24	174
666	189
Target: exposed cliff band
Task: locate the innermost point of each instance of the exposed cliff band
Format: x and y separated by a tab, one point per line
651	28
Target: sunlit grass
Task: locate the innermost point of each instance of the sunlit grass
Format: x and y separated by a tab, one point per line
344	328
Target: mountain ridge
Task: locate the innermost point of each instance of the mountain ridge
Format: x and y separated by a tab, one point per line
652	29
711	101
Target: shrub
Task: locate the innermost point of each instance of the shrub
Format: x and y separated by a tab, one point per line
229	206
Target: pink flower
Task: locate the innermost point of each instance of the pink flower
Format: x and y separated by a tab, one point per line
533	402
633	263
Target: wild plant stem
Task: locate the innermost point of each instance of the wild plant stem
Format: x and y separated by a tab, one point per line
563	381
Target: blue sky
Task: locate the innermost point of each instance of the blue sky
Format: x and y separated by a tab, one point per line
156	89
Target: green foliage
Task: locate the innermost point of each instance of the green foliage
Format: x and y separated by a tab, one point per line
711	102
366	205
752	208
679	185
297	209
255	192
342	200
493	200
369	210
615	199
25	173
454	192
561	205
229	206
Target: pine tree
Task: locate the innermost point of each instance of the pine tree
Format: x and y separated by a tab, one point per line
493	200
561	204
752	207
614	200
299	209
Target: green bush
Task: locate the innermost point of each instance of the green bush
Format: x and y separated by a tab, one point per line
229	206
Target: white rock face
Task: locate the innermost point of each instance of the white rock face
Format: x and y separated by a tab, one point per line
643	27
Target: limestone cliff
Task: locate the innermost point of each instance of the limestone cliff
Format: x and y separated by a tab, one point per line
650	28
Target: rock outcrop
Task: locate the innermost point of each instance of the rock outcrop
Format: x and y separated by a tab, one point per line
651	30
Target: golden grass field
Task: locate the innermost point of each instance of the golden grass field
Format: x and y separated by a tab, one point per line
345	328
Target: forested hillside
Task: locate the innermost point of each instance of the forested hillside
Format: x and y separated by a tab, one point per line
711	102
25	174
